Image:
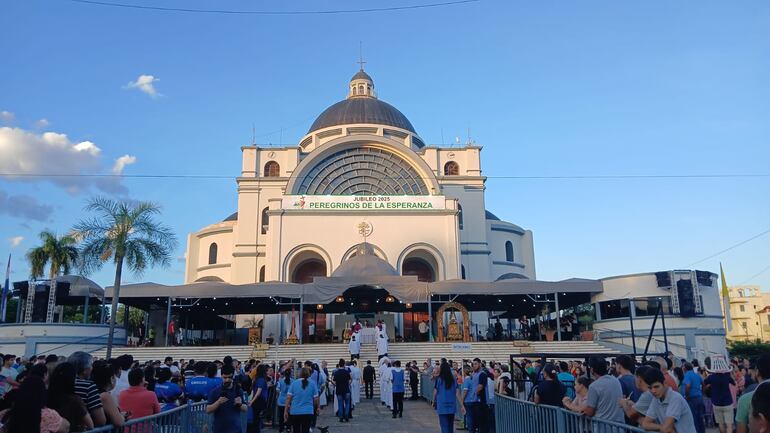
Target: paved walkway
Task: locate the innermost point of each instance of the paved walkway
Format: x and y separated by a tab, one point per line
371	417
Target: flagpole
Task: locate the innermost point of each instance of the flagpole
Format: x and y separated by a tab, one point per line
726	300
6	290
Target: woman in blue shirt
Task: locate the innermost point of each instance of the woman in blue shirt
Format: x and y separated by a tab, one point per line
258	400
282	387
469	397
301	403
445	398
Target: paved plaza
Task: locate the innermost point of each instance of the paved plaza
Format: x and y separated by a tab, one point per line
371	417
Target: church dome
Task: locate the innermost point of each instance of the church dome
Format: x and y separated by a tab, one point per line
361	106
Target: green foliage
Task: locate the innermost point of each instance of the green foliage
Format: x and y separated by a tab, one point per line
57	251
747	349
123	231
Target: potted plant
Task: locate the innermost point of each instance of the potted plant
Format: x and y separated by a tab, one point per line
587	325
546	324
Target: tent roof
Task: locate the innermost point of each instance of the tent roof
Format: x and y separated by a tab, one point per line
324	290
79	286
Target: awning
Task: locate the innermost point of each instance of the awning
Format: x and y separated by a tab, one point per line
324	290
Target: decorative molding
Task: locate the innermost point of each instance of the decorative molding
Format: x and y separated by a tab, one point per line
515	230
504	263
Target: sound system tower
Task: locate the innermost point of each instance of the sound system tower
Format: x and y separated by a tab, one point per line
686	295
40	303
664	279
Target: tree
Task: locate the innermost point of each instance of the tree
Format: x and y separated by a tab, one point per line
747	349
124	232
59	253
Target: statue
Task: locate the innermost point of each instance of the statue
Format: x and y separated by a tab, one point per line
453	329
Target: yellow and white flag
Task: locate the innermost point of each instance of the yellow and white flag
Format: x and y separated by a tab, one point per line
726	300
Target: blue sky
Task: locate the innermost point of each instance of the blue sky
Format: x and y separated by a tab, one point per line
548	88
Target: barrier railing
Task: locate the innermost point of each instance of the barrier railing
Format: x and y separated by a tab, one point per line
189	418
519	416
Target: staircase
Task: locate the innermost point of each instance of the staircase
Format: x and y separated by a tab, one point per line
331	353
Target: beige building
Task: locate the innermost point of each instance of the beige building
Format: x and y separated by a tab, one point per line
361	173
750	313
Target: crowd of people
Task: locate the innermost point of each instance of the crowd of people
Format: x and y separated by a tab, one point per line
51	394
657	395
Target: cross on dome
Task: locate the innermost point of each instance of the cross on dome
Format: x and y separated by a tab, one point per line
361	85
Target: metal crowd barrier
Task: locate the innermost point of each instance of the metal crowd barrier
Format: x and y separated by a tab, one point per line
519	416
189	418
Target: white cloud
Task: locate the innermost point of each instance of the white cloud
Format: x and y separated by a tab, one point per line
29	153
7	117
42	123
15	241
24	206
145	84
122	162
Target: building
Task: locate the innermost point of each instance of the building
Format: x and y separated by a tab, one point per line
361	173
750	314
363	220
690	303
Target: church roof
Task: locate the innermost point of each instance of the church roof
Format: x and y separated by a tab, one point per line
361	75
362	110
491	216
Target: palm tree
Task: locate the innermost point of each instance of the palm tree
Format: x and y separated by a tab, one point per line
59	253
123	232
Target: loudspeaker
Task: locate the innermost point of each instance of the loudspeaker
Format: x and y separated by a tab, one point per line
40	303
686	295
704	278
62	290
664	279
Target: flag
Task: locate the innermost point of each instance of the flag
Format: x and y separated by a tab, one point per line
726	300
6	290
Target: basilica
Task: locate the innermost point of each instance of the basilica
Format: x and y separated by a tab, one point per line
360	174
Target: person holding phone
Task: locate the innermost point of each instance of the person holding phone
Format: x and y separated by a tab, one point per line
226	403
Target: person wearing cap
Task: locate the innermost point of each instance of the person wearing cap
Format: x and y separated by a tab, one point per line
717	384
550	391
742	415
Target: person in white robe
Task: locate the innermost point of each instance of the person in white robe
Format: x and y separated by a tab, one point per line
354	346
382	345
355	385
386	394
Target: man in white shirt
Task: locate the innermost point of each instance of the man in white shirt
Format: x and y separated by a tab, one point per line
311	332
423	328
121	384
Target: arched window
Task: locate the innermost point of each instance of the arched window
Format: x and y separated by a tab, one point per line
355	91
508	251
265	221
213	254
419	267
462	271
460	215
451	169
262	274
360	89
272	169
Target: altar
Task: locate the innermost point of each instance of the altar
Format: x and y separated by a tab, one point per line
368	331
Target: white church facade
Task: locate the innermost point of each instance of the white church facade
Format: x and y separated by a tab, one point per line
360	173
